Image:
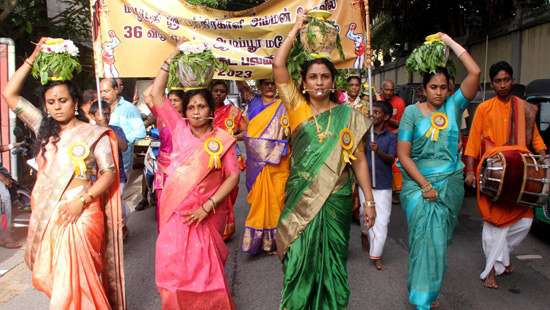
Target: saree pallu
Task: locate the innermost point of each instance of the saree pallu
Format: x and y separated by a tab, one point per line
78	265
223	117
313	231
266	173
430	230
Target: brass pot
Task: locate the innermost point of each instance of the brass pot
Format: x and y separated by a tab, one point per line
323	40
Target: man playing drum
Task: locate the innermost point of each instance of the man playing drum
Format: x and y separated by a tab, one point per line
500	124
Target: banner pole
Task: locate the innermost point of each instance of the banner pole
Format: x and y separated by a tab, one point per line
96	35
368	64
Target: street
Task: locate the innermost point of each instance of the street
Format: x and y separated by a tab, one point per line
256	282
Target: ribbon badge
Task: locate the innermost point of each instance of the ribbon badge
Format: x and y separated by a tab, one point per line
229	125
214	148
440	121
285	123
78	151
346	141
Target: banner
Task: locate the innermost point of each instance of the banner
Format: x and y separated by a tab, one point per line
133	37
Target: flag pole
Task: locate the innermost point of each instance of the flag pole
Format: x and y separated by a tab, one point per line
96	36
368	64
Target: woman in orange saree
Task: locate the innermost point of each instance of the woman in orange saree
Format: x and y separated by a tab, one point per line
203	170
74	244
229	118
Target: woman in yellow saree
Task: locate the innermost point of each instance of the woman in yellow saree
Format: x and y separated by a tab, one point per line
74	244
326	141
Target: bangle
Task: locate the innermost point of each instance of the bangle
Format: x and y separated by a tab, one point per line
166	63
426	188
203	209
213	204
83	201
163	68
370	203
28	62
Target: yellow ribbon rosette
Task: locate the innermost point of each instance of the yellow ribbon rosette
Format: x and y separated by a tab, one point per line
78	151
440	121
214	148
346	141
285	123
229	125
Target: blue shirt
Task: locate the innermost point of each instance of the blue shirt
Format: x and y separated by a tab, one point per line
387	143
127	116
120	134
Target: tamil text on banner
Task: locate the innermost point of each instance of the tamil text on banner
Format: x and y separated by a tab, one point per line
133	37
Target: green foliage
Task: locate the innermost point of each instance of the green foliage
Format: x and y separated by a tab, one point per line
216	4
198	62
55	65
427	58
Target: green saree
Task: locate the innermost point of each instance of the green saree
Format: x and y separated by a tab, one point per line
313	231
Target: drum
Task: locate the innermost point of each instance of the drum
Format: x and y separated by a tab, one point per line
514	177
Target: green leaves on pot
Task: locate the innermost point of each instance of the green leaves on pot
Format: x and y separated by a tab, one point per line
198	63
427	58
55	66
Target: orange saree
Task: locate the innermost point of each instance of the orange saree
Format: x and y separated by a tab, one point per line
80	265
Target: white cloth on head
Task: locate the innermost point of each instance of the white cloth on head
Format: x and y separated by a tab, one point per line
499	242
378	233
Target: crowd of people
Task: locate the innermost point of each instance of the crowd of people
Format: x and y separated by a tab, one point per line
306	154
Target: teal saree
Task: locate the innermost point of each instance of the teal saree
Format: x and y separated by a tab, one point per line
431	223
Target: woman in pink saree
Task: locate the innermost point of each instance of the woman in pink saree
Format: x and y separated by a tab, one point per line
203	170
74	244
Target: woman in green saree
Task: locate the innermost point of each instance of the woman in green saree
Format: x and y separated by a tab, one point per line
313	231
433	187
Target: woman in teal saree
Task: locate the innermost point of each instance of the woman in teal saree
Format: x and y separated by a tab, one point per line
433	187
313	231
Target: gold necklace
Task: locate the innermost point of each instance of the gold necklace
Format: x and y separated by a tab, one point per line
322	135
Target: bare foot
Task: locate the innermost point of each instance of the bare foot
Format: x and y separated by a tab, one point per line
508	269
378	264
491	280
435	304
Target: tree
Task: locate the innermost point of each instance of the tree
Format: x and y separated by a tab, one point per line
399	25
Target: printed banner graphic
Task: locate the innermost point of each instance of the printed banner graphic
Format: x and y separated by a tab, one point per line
133	37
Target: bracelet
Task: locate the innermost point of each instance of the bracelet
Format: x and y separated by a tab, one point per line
167	63
203	209
370	203
164	68
28	62
426	188
213	204
83	201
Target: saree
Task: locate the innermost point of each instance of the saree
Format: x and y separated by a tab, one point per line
313	232
163	159
431	223
77	265
229	119
190	258
266	142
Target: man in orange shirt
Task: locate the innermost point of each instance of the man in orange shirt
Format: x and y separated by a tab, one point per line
397	103
501	123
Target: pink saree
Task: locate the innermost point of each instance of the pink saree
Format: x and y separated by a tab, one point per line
190	258
224	116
